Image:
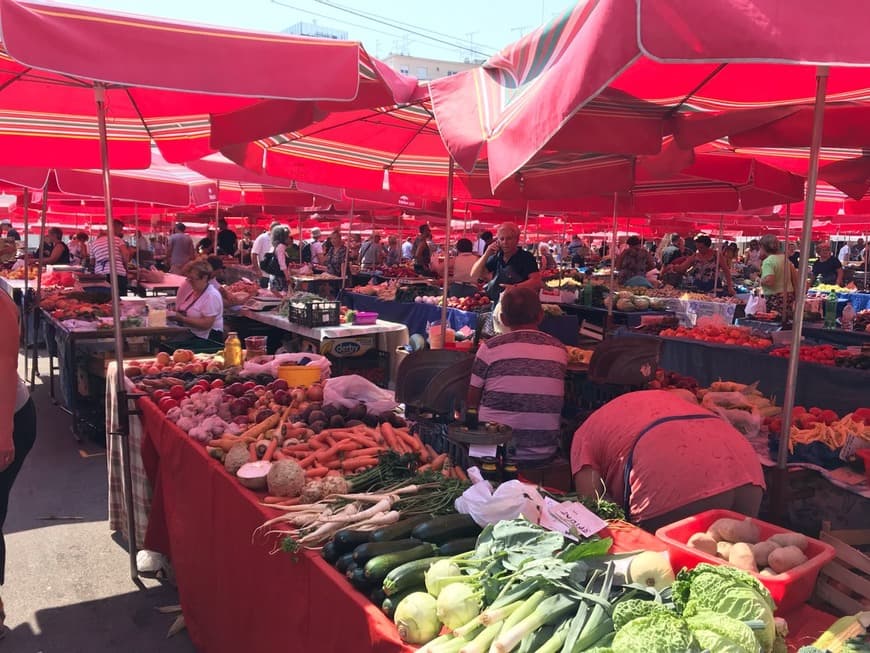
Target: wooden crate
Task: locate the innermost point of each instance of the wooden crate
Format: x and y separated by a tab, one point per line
844	583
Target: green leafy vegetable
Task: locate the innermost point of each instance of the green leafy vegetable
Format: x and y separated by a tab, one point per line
661	632
720	633
630	609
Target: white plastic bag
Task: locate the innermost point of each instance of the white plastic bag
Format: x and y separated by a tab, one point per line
509	501
351	389
252	368
756	304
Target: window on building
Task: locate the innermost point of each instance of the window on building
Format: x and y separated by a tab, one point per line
404	70
422	72
451	72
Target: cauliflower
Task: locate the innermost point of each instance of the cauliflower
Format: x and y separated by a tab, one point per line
659	632
630	609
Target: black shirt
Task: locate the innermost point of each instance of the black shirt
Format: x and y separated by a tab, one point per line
795	259
516	270
828	269
14	235
226	242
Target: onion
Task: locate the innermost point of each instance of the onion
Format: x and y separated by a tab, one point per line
253	475
297	394
315	392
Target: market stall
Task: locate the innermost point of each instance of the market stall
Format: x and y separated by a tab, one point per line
417	316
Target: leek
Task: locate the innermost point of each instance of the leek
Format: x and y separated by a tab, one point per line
550	610
481	643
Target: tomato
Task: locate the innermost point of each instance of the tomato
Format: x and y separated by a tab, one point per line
167	403
157	395
202	383
217	383
197	389
177	392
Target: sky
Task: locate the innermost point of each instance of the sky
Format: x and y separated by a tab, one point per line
440	29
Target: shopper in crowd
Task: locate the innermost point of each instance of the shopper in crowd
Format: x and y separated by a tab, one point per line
664	459
673	250
141	242
464	262
730	254
548	262
244	247
17	420
262	246
702	266
518	378
393	254
507	264
845	253
354	245
9	231
199	305
778	277
792	254
408	249
180	250
282	243
158	247
421	252
100	254
372	253
205	245
227	240
483	241
634	261
827	266
753	256
336	259
312	251
78	249
857	251
55	251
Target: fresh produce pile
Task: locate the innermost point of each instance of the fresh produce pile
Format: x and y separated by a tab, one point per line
668	292
424	292
725	335
18	273
627	300
383	291
862	320
523	588
821	354
399	272
822	426
58	280
854	361
66	307
476	302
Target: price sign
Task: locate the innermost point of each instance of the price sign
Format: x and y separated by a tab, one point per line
571	519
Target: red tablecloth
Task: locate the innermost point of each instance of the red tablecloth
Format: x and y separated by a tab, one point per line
236	597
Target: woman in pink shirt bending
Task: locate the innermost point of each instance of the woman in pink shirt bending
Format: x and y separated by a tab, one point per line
663	458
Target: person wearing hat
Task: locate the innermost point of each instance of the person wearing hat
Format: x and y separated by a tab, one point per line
100	254
312	251
180	250
262	246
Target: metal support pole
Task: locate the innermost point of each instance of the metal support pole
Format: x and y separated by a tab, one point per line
34	370
123	432
217	216
779	498
447	250
612	295
784	316
25	322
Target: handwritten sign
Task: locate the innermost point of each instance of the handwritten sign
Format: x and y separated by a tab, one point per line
571	519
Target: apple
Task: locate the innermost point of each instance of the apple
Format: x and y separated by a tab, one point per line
177	392
157	395
217	383
167	403
196	389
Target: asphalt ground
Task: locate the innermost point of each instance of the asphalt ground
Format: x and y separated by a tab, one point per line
68	587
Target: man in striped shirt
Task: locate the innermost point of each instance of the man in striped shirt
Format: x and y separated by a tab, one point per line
518	378
100	254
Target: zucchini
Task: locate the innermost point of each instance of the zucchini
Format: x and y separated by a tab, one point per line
388	605
400	530
455	547
343	562
377	595
408	575
443	529
377	568
357	578
347	540
330	552
365	552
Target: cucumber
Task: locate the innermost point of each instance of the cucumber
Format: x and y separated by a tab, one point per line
357	578
443	529
330	552
377	568
377	595
408	575
347	540
344	562
388	605
400	530
455	547
365	552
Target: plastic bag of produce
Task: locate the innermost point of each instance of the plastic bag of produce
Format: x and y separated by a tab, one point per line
253	368
756	304
509	501
351	389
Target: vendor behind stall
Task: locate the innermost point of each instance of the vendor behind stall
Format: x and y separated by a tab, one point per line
634	260
663	459
778	276
827	268
199	306
421	252
54	250
518	378
508	264
702	266
100	254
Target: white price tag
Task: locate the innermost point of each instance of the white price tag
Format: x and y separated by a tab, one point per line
482	450
571	519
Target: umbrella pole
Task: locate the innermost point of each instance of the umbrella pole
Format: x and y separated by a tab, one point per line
217	216
25	331
123	431
718	256
613	262
447	251
34	369
345	268
784	316
526	223
778	499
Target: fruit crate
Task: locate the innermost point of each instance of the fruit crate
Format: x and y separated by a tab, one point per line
315	314
788	589
844	583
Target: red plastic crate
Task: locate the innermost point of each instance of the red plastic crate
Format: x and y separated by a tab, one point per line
789	589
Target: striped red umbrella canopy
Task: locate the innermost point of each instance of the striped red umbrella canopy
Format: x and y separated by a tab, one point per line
162	82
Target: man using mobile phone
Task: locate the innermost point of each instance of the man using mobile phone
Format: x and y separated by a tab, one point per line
507	263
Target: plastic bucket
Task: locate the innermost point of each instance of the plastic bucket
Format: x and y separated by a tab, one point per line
299	375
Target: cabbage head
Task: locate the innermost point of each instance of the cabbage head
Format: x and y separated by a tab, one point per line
716	632
727	591
631	609
659	632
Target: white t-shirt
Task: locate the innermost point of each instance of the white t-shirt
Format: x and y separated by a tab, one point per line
100	252
262	246
208	304
316	251
462	265
845	253
407	249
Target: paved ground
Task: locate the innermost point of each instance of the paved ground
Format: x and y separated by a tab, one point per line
68	586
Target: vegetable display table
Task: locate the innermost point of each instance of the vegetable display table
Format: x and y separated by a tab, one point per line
689	311
9	286
415	316
598	315
169	285
237	597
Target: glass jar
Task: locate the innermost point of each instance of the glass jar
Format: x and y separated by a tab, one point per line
233	350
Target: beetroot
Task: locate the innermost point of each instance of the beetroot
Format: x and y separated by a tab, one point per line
279	384
235	390
283	397
238	407
263	414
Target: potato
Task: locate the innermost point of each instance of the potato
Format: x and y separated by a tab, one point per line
791	539
785	558
742	557
703	542
734	530
723	549
762	550
767	571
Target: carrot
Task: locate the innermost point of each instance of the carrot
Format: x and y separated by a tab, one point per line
335	463
410	441
438	461
432	453
368	451
316	472
355	463
284	501
302	448
280	456
258	429
307	461
424	468
270	449
364	440
460	473
389	436
252	452
373	433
